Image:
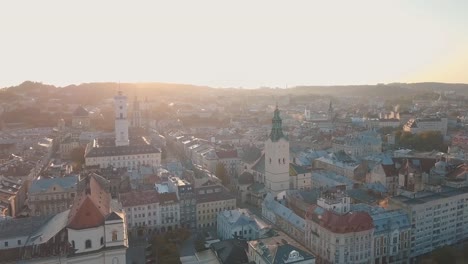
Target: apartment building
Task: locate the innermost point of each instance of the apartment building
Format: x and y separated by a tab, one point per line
439	217
210	201
186	195
337	235
50	196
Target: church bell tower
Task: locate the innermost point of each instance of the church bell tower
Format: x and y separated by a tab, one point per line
277	157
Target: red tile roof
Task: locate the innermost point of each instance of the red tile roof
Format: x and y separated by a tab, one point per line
168	198
341	223
90	207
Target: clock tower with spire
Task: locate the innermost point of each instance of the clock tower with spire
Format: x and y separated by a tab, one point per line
276	157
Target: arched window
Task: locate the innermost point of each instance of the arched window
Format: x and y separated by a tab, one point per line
88	243
270	160
284	161
114	235
102	240
73	244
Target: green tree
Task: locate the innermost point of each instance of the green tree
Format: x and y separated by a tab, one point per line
77	156
165	251
425	141
221	173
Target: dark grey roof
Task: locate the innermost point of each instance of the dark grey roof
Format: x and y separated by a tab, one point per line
251	154
259	166
113	216
106	149
22	226
231	251
212	193
80	111
246	178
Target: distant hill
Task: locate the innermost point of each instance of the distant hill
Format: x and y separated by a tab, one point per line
91	93
385	90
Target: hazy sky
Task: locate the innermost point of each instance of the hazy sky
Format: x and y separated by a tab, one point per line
234	43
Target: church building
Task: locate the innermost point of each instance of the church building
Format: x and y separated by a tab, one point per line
277	157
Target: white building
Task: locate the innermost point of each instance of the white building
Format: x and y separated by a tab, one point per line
121	121
439	217
277	157
359	145
96	230
418	125
148	212
122	151
92	231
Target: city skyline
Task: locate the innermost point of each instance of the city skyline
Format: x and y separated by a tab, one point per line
245	44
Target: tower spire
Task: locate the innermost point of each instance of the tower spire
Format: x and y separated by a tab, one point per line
277	128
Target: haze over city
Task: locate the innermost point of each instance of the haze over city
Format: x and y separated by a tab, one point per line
234	44
240	132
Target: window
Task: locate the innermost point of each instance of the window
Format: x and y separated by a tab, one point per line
114	235
102	241
19	242
6	243
88	243
73	244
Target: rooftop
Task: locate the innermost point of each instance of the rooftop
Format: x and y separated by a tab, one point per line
340	223
281	249
429	196
80	112
135	198
91	206
212	193
240	216
44	184
106	147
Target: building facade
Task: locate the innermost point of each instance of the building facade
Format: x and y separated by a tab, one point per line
186	195
122	151
423	124
212	200
50	196
336	235
439	217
